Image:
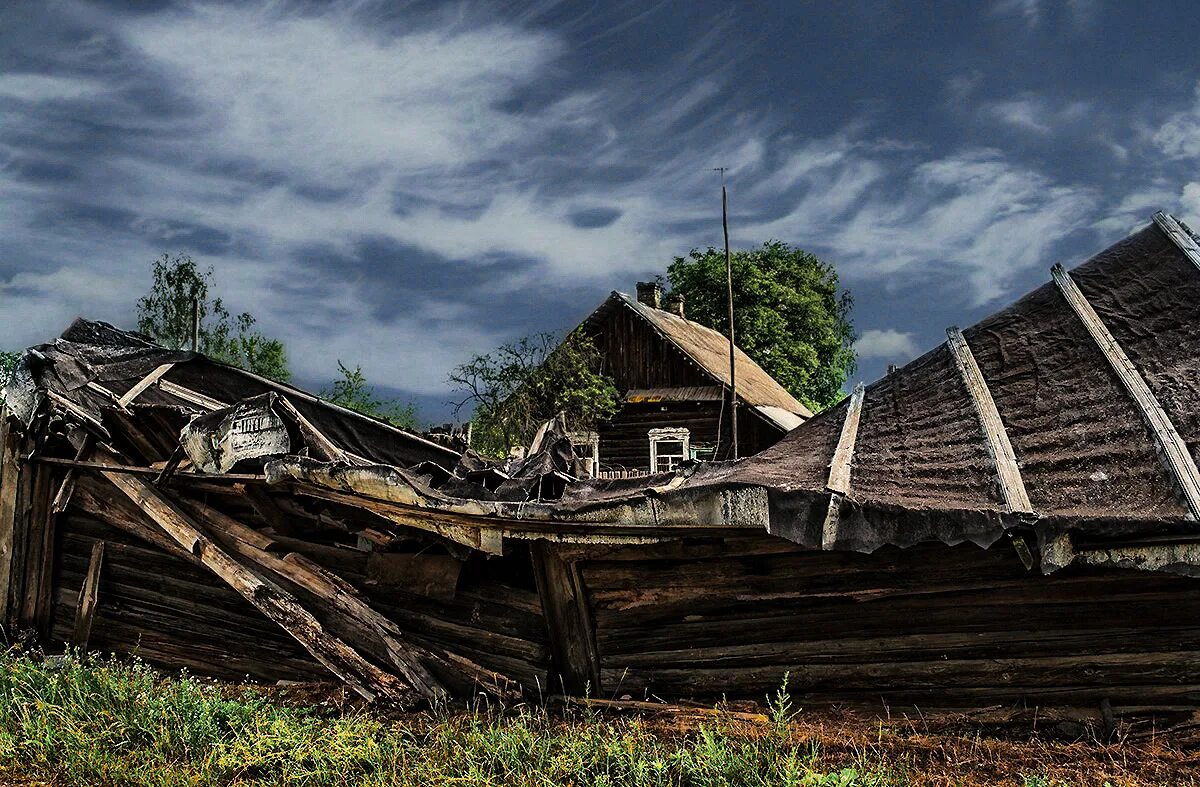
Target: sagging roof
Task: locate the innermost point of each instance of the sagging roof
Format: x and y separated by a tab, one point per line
1071	417
709	349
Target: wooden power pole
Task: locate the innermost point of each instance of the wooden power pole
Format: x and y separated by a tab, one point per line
729	292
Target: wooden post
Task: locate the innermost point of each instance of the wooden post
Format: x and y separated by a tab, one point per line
732	345
10	473
35	604
88	597
195	325
568	619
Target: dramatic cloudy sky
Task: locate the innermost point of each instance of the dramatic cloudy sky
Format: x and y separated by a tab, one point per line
402	185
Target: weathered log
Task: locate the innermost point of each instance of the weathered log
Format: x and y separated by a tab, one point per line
362	676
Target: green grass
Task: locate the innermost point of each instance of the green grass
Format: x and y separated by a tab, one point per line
79	721
92	722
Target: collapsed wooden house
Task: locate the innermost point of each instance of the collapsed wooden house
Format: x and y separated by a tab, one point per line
1011	518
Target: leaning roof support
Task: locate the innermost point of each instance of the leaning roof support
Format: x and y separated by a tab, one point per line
1172	449
839	468
143	384
1182	238
999	448
339	658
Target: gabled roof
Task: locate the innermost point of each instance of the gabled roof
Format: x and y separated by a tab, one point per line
709	350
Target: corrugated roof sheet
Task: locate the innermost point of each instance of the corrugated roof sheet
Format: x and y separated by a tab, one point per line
710	350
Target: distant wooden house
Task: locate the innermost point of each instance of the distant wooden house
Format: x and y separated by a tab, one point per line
673	376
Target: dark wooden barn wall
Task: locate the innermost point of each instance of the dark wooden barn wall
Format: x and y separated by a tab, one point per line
931	626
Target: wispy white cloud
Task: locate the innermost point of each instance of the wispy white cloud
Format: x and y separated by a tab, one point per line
887	344
1179	136
1037	113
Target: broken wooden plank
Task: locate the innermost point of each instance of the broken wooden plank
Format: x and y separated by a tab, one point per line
88	597
362	676
143	384
569	624
1179	236
995	436
1171	447
63	496
839	467
190	396
35	604
312	435
403	655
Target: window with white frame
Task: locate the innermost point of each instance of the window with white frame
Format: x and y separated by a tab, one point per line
668	449
586	446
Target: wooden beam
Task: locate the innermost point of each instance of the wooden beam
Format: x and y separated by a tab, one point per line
109	467
1171	448
190	396
995	436
1181	237
568	620
313	436
407	659
339	658
89	595
839	468
143	384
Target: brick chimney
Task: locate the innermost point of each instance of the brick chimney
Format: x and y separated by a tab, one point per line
674	303
650	293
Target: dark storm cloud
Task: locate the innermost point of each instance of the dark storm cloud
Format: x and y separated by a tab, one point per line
405	185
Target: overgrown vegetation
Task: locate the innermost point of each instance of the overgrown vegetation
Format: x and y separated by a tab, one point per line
353	391
7	362
519	386
165	314
81	722
790	314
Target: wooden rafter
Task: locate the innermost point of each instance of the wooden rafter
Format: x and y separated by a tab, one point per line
143	384
839	467
1171	447
1186	243
999	447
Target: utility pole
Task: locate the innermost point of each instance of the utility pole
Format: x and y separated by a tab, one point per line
195	325
729	294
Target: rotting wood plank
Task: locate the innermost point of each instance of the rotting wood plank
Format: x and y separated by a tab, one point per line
10	471
40	558
88	597
839	468
1171	447
143	384
1181	238
363	677
110	467
999	447
569	625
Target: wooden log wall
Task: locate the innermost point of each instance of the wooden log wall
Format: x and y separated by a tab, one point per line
930	626
625	438
176	614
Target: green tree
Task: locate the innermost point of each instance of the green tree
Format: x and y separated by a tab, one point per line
519	386
353	392
789	314
165	315
7	362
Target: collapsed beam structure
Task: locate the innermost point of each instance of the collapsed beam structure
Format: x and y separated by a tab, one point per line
1010	518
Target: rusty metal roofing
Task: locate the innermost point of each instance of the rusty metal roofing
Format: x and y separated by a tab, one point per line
681	393
710	350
